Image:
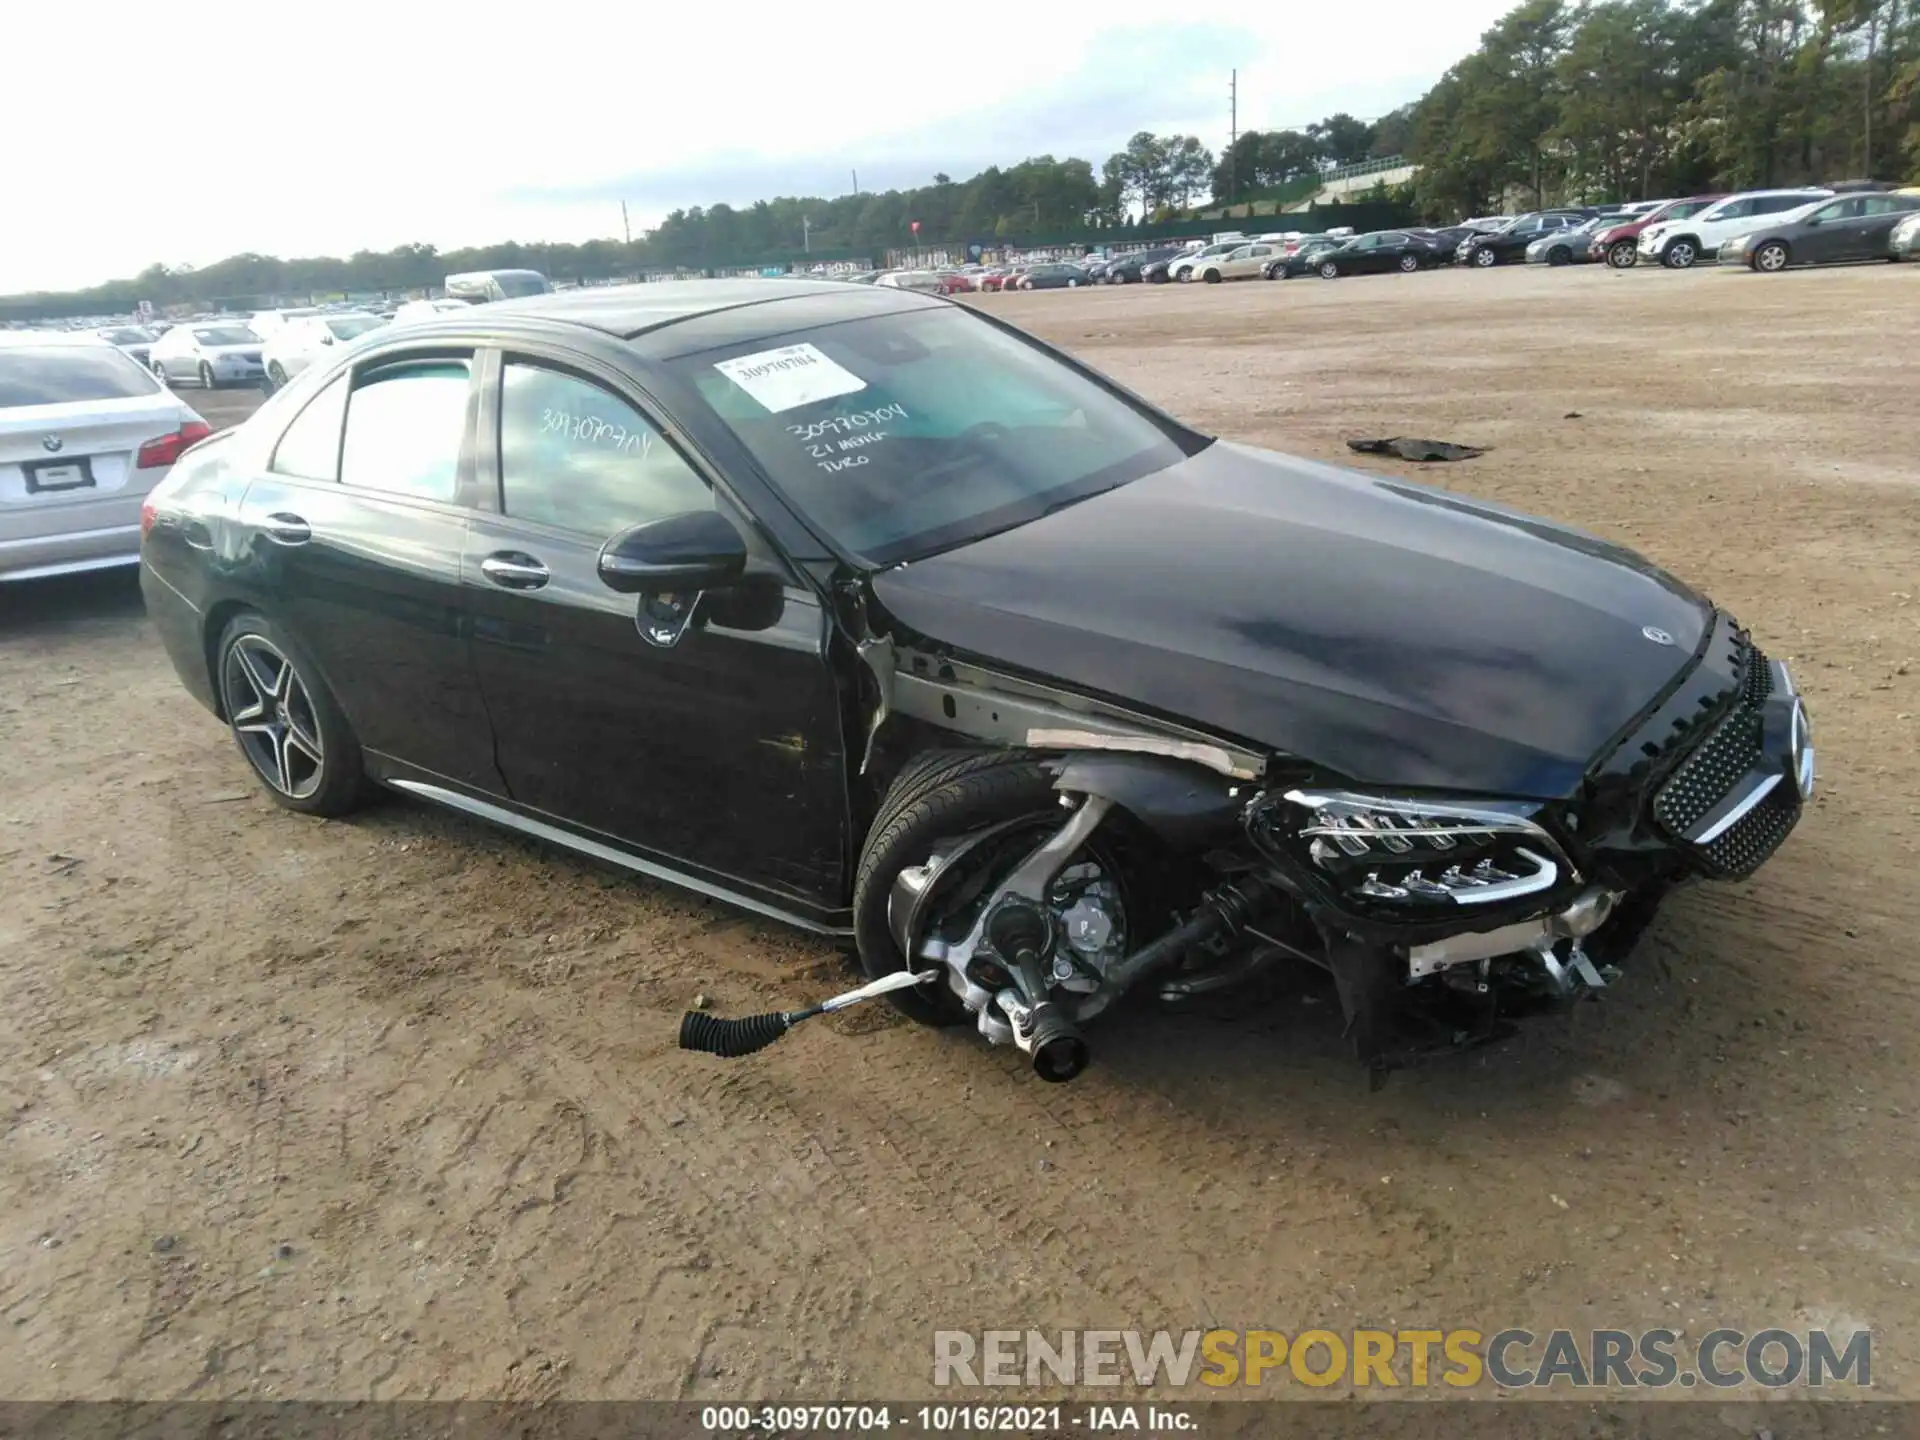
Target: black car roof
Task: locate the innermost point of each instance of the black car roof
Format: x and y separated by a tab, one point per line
776	305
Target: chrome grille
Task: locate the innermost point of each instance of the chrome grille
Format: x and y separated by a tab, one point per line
1711	772
1708	775
1740	849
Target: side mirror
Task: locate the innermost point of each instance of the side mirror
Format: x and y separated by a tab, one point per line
697	550
1813	220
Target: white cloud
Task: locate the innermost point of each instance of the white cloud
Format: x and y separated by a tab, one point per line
160	134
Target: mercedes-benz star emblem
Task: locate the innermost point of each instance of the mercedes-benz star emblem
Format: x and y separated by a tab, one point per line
50	443
1656	634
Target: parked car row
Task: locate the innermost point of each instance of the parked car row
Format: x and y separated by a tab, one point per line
1766	229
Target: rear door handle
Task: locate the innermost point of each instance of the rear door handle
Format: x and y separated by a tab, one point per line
514	569
286	529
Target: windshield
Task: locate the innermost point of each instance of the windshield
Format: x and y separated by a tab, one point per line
903	435
124	335
225	335
62	374
350	326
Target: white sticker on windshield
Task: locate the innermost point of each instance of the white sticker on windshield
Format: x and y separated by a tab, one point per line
791	376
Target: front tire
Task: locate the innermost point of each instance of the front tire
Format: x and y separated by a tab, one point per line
935	800
1771	258
1680	255
286	722
1559	257
1485	259
1329	271
207	382
1623	254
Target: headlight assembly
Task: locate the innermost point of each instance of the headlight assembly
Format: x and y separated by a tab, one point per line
1404	852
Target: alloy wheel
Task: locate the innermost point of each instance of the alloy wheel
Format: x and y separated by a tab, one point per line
1680	255
1621	255
273	716
1329	271
1770	257
1409	264
206	376
1484	258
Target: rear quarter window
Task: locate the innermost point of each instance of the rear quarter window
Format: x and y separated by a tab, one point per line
65	375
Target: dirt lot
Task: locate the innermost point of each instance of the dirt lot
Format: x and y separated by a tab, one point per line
391	1107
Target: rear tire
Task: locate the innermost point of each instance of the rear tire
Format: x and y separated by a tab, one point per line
937	801
1212	277
159	371
1409	264
289	728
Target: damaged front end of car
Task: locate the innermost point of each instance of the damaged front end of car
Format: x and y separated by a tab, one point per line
1097	851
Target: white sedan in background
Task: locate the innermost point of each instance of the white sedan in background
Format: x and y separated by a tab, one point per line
211	353
298	343
85	433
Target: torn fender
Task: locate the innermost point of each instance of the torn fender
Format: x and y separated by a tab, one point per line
1000	709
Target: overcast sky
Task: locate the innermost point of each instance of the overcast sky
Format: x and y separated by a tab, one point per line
184	135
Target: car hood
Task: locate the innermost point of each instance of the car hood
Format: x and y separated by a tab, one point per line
1388	632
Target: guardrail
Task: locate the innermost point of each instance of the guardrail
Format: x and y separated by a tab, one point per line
1365	167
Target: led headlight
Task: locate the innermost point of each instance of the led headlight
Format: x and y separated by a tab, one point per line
1412	852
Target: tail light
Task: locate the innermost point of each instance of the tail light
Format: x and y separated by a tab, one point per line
165	449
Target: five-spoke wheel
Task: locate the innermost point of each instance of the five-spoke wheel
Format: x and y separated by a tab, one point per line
285	721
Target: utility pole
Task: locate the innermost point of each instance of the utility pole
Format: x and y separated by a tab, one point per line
1233	126
627	228
1873	25
856	182
806	234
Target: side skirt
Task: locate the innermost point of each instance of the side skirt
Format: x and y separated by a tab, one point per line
612	855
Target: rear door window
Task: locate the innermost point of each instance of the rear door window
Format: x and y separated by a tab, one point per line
310	447
406	421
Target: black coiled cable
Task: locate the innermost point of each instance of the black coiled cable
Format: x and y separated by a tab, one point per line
731	1039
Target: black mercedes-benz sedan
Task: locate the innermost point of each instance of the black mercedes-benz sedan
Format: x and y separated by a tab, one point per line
862	609
1381	251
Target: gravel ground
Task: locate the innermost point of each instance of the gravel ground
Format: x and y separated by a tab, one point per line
391	1107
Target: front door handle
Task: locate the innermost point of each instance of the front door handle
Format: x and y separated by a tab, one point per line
514	569
285	529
